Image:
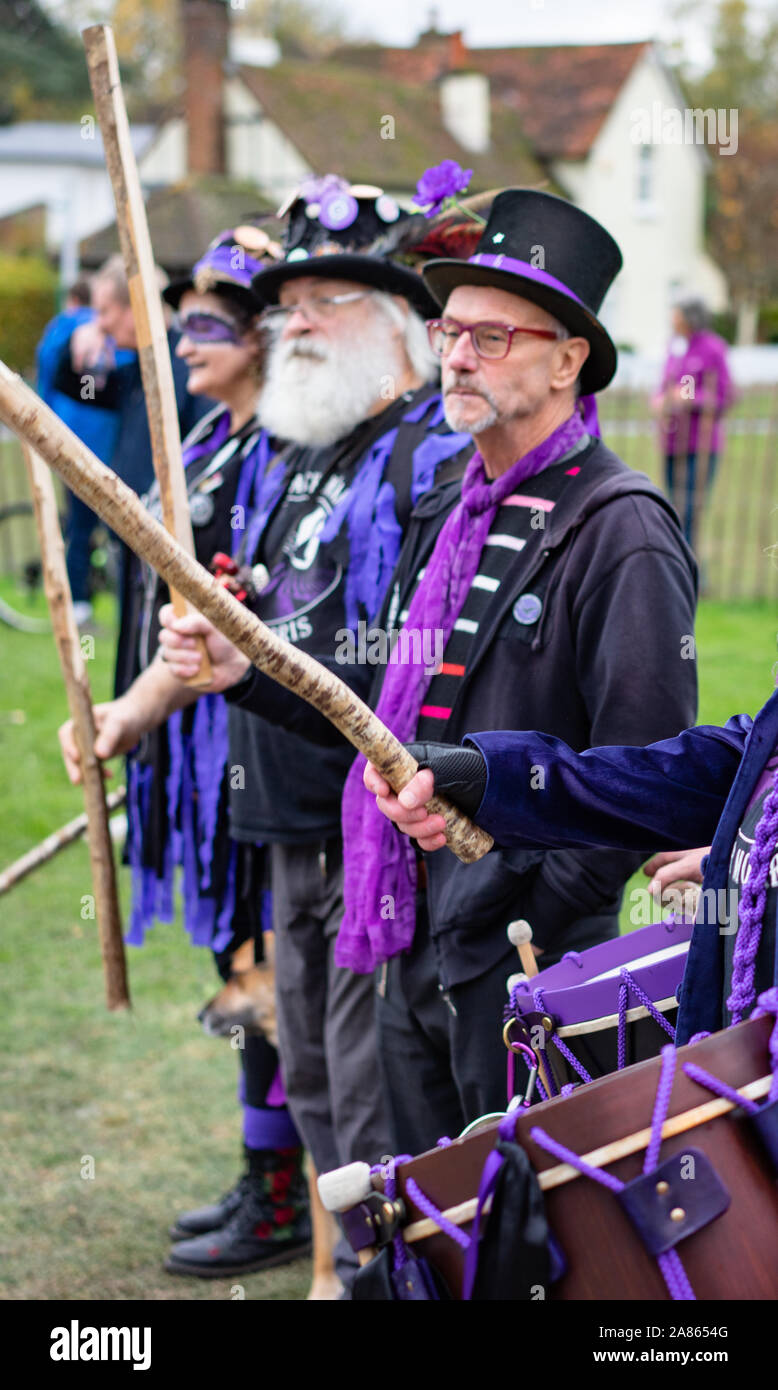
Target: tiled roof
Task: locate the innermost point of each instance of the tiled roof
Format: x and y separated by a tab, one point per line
182	221
562	93
333	115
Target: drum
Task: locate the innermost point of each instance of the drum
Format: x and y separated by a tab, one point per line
604	1008
710	1182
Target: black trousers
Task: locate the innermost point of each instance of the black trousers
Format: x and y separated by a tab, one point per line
443	1061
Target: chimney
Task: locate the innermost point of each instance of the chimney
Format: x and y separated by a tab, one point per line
205	25
465	109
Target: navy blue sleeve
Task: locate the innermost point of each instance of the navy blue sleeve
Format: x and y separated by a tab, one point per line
669	795
260	694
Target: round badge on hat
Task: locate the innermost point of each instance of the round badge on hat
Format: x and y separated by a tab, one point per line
527	609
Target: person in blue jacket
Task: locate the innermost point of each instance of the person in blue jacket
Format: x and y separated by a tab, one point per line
84	371
708	785
97	425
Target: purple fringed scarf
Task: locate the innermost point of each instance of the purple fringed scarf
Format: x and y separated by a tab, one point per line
380	864
369	509
197	761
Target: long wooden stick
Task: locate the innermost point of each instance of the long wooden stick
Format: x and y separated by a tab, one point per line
121	508
151	332
55	580
53	843
609	1153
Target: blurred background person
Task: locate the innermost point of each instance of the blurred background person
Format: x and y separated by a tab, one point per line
695	392
97	425
89	370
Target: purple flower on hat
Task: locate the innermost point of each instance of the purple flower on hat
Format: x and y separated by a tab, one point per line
338	210
439	183
313	190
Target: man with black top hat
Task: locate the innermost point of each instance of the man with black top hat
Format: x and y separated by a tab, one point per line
563	595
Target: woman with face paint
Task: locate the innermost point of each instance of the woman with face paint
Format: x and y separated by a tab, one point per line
179	768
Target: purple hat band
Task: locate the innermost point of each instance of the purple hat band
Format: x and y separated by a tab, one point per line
583	987
229	262
527	271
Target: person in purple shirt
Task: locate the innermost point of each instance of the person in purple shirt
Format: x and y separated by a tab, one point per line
695	392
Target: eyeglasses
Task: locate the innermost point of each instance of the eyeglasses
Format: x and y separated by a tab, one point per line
322	308
490	340
207	328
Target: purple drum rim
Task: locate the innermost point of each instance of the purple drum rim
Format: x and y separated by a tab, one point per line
572	994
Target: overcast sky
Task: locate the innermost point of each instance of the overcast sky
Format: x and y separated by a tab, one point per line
504	22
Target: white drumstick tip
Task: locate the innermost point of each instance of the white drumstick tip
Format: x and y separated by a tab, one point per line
519	932
345	1187
518	979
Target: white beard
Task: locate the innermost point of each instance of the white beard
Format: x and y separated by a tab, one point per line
316	393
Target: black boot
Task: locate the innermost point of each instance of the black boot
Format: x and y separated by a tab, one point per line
211	1218
270	1226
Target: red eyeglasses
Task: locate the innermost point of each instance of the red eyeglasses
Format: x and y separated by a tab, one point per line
490	340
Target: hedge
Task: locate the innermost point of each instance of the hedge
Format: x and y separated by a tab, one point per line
28	299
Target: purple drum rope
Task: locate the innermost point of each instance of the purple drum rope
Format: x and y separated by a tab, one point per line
628	982
672	1270
423	1202
767	1003
751	908
719	1088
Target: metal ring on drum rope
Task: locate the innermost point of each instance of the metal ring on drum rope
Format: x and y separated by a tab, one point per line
627	983
670	1265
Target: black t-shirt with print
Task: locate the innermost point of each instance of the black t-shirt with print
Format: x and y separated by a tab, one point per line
281	788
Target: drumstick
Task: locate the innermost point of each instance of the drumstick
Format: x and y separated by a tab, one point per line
598	1158
520	936
79	698
122	509
153	348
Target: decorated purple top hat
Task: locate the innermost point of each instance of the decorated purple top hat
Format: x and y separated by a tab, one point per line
232	260
337	230
547	250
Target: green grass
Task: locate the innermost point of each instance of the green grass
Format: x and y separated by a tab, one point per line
146	1095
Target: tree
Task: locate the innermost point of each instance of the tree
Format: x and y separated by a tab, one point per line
742	79
42	69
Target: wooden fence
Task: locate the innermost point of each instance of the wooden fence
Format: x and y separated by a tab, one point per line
737	540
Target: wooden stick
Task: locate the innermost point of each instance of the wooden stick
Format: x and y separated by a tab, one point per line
609	1153
150	328
59	839
71	660
121	508
520	936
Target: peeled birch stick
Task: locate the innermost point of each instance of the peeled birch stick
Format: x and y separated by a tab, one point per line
53	843
121	509
150	329
79	696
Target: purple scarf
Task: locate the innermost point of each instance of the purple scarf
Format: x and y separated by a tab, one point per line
379	863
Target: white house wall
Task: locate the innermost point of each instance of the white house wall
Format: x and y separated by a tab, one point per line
257	150
78	199
661	240
165	160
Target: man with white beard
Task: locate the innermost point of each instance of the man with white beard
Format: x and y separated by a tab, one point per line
352	383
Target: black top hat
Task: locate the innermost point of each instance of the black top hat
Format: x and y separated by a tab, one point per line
330	232
227	267
546	250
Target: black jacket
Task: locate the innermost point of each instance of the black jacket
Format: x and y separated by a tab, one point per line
609	660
